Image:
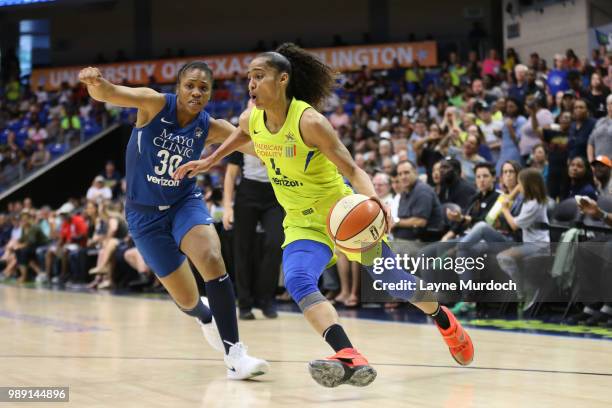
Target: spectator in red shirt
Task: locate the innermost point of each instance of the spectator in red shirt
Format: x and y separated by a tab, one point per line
72	236
492	64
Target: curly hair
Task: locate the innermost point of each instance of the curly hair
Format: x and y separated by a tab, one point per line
310	80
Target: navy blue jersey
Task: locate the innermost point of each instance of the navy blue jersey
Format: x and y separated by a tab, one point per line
156	150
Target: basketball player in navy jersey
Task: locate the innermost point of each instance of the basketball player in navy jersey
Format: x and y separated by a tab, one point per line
167	218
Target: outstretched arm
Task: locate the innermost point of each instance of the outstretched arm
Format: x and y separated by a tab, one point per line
238	139
221	130
148	101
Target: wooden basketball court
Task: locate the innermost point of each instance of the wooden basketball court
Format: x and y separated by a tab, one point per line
138	352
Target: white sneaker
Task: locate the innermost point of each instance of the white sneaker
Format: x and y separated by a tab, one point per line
211	332
41	278
241	366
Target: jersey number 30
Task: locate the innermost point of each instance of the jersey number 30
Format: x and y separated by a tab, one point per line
167	163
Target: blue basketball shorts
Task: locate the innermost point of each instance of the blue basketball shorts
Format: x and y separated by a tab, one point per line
158	231
304	261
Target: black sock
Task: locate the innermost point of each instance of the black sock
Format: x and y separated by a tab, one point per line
441	318
335	336
200	311
223	306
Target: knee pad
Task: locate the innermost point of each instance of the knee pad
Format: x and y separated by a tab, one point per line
302	286
303	263
300	283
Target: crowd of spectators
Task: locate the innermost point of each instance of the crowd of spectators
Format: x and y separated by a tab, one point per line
38	126
472	151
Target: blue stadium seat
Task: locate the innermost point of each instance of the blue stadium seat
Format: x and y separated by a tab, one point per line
431	77
91	128
43	117
4	136
396	89
125	113
223	108
380	104
341	92
22	135
349	108
238	107
211	108
225	104
15	126
412	87
57	149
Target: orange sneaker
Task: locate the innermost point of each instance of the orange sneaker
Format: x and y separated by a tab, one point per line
347	366
457	339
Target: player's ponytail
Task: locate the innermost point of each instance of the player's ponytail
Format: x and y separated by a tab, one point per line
310	80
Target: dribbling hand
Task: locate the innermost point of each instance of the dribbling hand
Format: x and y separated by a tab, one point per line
388	217
90	76
193	168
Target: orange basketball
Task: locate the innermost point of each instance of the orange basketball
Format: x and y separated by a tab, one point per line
356	223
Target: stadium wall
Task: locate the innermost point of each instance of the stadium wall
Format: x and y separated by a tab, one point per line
600	12
549	30
81	32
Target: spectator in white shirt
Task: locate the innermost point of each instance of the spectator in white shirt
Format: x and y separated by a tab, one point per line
539	118
531	220
490	127
600	140
41	95
98	192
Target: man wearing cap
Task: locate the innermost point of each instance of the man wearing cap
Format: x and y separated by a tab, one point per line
72	234
602	167
98	191
491	128
600	141
567	101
